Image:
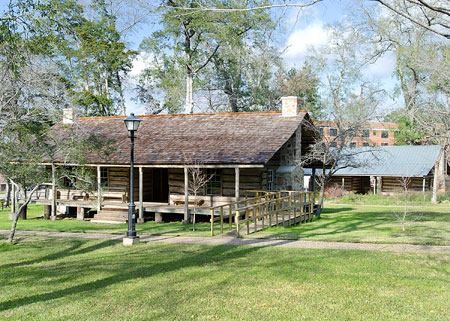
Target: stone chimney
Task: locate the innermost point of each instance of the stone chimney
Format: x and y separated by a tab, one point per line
289	106
69	116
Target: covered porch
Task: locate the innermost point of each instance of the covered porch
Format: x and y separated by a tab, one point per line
158	190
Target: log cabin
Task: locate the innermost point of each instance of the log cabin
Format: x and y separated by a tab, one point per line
388	168
237	152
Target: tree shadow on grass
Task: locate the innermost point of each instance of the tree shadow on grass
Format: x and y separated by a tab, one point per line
75	249
213	254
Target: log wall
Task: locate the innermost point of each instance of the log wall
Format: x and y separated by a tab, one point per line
394	184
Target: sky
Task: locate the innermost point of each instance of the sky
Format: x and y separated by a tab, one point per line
300	31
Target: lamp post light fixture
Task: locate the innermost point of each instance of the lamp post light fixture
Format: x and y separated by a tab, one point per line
132	125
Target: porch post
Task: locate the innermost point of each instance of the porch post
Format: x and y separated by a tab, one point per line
343	183
99	189
186	196
54	194
236	183
423	184
141	195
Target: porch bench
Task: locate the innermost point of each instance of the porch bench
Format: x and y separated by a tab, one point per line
195	203
122	196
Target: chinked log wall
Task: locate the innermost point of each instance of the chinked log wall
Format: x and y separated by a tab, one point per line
249	179
394	184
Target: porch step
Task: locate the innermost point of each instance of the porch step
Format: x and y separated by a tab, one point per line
111	214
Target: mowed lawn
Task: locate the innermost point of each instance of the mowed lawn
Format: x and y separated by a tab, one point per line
35	221
71	279
425	224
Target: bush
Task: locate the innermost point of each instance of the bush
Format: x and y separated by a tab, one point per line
335	191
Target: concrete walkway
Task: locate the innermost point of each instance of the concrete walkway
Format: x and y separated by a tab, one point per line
228	240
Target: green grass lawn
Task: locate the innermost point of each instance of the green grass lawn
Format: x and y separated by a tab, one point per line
68	279
374	224
342	223
35	221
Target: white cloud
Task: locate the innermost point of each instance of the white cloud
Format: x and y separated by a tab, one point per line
301	41
142	61
383	68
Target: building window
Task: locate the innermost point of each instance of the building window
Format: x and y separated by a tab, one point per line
321	131
104	176
270	179
333	132
384	134
2	187
374	133
352	145
333	144
214	185
365	133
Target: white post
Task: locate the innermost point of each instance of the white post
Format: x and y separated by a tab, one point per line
99	189
54	193
423	185
186	196
141	195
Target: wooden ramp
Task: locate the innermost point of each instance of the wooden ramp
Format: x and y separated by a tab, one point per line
265	210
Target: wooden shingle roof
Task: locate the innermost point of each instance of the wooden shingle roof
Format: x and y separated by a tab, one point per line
222	138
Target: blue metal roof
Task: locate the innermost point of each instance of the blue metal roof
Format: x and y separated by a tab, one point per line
397	161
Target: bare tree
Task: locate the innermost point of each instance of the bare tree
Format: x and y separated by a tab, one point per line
198	179
431	15
350	101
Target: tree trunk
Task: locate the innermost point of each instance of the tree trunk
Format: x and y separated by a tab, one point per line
189	100
8	194
321	197
435	183
17	213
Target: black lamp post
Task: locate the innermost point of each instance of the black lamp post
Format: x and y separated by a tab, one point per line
132	125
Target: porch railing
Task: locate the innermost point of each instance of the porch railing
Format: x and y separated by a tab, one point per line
264	210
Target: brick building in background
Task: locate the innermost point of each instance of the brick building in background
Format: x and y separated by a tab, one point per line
376	133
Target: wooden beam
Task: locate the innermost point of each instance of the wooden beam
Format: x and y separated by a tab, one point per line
186	195
165	166
141	195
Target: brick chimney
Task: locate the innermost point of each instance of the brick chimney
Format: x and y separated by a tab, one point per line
69	116
289	106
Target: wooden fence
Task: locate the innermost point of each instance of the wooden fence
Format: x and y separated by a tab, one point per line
263	210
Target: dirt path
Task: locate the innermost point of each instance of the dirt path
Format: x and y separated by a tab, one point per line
228	240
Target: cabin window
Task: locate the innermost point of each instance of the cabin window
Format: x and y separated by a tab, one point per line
384	134
333	132
2	187
321	131
365	133
333	144
104	176
270	179
214	185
